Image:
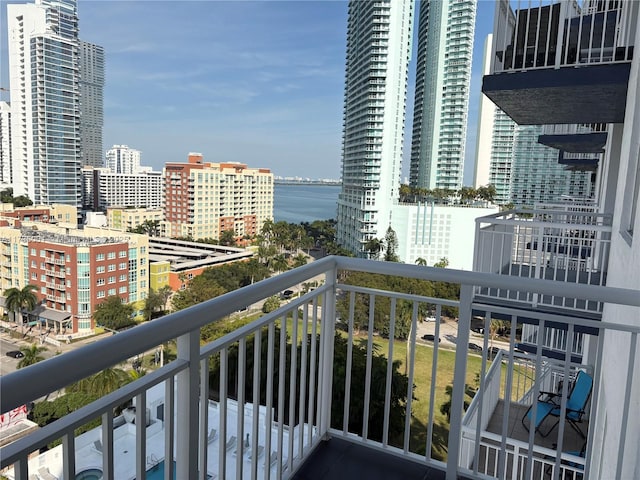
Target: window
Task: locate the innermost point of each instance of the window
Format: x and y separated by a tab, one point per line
100	257
112	291
33	251
122	289
112	267
111	255
100	294
100	282
123	266
42	254
122	254
112	279
123	278
143	250
100	269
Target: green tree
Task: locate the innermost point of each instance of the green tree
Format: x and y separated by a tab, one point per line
279	263
374	246
112	313
228	238
398	393
101	383
198	290
271	304
445	408
421	261
17	300
299	260
391	246
6	195
165	293
31	355
153	303
22	201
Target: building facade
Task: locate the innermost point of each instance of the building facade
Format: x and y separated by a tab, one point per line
5	145
122	159
378	54
92	103
44	81
73	271
443	75
204	199
430	232
126	219
101	189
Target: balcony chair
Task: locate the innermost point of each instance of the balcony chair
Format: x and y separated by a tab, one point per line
548	405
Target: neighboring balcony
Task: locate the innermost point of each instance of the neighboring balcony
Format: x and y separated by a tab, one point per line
334	399
555	63
569	245
585	138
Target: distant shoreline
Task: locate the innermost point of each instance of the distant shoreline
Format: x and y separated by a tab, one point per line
328	183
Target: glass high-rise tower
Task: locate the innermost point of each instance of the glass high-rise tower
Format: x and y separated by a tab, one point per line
443	75
46	107
378	54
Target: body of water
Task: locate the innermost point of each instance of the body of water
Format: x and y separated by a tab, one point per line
305	203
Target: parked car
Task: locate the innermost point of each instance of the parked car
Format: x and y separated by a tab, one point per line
15	354
287	294
430	318
430	338
475	348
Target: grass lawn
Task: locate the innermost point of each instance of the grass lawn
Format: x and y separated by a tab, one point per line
422	379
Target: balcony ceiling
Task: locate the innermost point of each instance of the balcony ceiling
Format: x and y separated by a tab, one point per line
590	94
576	143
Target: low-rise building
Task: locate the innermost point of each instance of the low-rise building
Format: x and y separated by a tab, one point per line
127	219
73	272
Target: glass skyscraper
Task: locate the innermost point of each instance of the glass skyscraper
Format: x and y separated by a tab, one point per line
45	85
378	54
443	75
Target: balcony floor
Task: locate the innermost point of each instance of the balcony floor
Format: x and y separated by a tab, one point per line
339	459
515	429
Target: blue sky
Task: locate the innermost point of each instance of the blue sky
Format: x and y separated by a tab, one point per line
258	82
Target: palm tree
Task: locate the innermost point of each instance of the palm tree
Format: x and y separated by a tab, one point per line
19	299
421	261
31	355
374	246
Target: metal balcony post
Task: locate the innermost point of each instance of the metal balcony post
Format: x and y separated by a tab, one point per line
326	362
459	377
187	402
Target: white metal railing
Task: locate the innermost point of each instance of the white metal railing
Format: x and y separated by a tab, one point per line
574	129
314	384
559	33
562	245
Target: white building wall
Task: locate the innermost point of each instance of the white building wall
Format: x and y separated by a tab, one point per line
486	114
622	183
122	159
433	232
5	145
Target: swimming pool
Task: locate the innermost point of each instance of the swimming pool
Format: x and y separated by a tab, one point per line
90	474
157	471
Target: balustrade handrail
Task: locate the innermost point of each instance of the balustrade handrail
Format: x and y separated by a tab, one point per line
509	218
23	386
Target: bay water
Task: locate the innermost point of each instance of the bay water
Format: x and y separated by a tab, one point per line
304	203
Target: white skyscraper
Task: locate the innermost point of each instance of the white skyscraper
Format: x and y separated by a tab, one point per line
5	145
378	54
91	106
443	75
45	100
494	143
122	159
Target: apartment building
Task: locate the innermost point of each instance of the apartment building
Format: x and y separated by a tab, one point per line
92	82
5	145
123	159
102	188
203	199
127	219
73	270
441	103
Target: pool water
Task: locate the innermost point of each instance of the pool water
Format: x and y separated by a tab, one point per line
157	472
90	474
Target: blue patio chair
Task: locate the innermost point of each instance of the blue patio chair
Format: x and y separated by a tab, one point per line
548	404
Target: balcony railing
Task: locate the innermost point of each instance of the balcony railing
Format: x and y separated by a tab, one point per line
563	245
575	129
313	382
559	33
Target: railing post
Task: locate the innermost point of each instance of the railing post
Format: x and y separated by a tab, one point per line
326	361
459	378
187	402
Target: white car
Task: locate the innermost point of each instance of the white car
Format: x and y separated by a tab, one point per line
430	319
